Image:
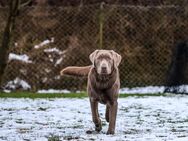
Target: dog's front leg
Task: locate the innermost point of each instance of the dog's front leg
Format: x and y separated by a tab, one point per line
107	113
112	116
95	115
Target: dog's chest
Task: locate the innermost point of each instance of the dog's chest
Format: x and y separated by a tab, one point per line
103	98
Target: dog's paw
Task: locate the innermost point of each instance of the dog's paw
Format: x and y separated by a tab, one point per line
110	132
98	127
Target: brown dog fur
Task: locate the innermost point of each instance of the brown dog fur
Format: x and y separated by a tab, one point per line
103	85
77	71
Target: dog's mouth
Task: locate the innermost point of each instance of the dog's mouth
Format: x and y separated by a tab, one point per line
104	72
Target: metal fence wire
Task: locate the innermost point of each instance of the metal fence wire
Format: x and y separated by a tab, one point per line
47	39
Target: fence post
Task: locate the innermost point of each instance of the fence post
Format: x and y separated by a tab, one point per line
101	24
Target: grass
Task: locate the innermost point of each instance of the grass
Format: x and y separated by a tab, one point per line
61	95
37	95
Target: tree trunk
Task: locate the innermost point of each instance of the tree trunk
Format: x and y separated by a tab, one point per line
13	12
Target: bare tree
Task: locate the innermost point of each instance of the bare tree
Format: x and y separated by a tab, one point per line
14	6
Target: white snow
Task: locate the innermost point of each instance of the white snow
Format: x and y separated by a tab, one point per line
6	91
142	90
53	91
135	90
55	50
23	58
59	61
150	90
45	42
180	89
47	70
57	77
44	80
15	44
138	119
50	50
17	83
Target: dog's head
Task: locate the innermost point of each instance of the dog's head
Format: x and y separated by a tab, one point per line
105	61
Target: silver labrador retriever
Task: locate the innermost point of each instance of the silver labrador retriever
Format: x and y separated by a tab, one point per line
103	85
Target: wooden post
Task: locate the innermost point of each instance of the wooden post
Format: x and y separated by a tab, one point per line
101	25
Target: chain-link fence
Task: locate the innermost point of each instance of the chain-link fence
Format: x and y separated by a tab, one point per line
47	39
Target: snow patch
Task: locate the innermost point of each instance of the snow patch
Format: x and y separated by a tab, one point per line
23	58
178	89
59	61
45	42
47	70
53	91
17	83
142	90
136	90
15	44
7	91
44	80
154	89
54	50
50	50
57	77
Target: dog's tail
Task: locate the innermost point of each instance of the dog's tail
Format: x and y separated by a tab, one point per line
76	71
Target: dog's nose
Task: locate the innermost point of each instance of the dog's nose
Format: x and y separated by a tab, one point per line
103	68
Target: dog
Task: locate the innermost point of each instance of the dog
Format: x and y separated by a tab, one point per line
103	85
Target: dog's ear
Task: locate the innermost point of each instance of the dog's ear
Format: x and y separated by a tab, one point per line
93	55
116	57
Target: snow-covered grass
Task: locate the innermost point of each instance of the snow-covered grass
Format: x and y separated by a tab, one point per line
139	119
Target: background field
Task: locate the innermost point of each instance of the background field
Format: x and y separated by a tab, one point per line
48	39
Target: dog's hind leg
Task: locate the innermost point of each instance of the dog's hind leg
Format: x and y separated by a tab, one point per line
95	115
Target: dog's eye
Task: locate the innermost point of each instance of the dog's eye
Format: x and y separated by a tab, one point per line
109	59
97	61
